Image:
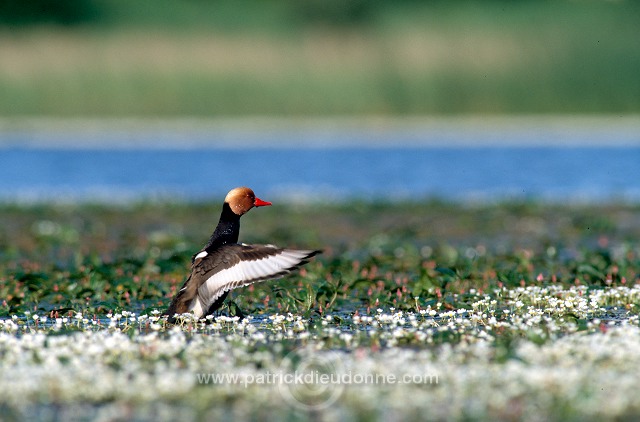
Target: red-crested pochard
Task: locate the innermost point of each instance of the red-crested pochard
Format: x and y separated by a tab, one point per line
224	264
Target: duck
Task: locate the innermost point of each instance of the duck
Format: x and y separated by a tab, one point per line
223	264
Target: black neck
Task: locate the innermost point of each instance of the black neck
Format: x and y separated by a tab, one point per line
227	231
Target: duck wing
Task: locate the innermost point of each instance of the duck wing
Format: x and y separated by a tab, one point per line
215	273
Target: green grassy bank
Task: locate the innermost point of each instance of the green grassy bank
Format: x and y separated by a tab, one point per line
287	58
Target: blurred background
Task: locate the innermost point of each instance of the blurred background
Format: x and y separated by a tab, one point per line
318	57
210	74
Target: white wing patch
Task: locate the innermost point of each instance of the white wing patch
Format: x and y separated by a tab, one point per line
244	273
201	255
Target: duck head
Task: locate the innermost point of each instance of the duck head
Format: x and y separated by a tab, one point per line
242	199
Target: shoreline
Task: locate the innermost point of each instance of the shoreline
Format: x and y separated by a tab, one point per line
321	132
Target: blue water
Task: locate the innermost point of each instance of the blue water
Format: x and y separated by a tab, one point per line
590	174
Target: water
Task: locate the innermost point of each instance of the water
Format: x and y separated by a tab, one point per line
590	173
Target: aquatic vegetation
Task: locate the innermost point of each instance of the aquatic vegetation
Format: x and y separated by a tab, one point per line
500	359
527	323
